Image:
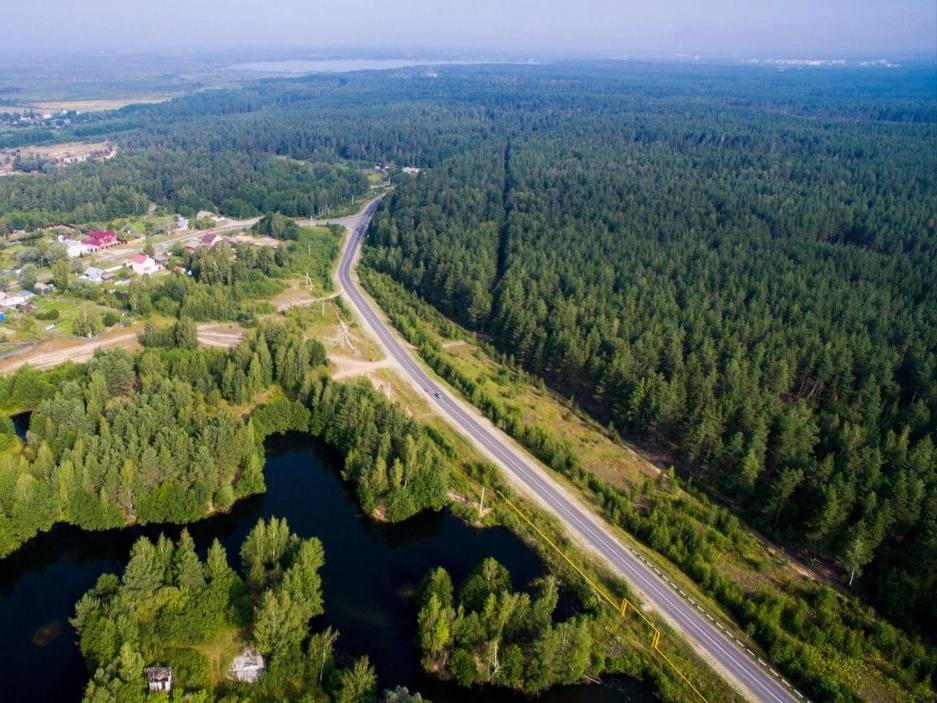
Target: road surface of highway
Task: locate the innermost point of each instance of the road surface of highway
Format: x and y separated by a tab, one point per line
727	655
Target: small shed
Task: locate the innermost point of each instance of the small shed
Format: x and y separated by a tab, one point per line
248	666
158	678
93	274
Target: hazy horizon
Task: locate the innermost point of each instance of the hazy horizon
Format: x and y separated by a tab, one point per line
588	28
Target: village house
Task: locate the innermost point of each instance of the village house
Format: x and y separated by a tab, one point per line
92	274
158	678
74	249
248	666
182	223
102	239
17	299
143	265
211	239
206	215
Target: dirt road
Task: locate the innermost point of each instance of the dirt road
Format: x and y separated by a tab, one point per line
45	355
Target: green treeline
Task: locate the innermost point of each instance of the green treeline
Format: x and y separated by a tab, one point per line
238	184
490	634
758	291
485	633
794	628
276	146
153	439
277	226
732	261
396	464
146	439
171	607
127	443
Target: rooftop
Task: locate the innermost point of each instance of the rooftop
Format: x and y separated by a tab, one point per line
157	673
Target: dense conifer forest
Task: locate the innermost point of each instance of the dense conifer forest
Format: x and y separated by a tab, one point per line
489	633
734	265
753	289
157	437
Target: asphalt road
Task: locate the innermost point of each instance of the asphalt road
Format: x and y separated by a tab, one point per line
727	654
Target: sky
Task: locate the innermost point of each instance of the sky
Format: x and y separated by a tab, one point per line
718	28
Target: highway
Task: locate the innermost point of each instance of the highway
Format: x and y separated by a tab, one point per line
728	656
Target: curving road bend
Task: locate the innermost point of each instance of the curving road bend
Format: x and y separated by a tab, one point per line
727	655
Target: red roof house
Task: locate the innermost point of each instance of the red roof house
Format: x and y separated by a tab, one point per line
102	239
143	265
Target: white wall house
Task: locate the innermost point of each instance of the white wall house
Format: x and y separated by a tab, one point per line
143	265
13	300
75	249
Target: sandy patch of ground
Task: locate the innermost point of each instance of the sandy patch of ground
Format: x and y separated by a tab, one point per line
221	335
59	154
97	105
254	241
295	296
344	367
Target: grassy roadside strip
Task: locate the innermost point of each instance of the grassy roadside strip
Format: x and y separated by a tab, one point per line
831	647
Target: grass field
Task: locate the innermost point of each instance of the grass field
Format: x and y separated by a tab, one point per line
219	652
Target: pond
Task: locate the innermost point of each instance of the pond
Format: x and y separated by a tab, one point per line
370	577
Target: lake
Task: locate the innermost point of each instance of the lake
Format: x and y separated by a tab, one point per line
370	577
338	65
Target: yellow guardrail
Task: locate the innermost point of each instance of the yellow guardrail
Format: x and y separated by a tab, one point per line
620	608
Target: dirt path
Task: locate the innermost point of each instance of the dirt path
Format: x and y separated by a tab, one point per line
296	297
221	335
47	355
347	367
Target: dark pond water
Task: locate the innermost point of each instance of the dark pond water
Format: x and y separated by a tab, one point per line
370	575
21	424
